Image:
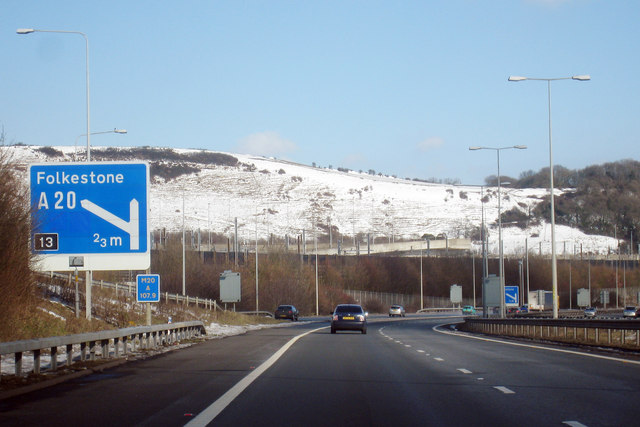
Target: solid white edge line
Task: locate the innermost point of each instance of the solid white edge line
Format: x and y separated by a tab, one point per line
211	412
574	423
538	347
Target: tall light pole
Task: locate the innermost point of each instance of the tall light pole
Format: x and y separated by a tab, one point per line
115	130
554	263
501	260
86	40
89	274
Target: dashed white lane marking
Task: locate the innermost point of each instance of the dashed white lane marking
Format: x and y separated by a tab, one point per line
407	345
464	371
503	389
574	423
420	351
439	359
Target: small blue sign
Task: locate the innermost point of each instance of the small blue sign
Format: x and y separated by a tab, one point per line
148	288
511	295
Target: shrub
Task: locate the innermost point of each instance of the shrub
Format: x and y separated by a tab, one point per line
16	278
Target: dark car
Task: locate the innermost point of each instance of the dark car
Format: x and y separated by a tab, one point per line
349	317
286	312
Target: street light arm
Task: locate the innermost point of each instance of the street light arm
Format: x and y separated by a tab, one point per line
86	41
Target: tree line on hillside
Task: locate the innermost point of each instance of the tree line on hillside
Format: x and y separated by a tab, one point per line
287	278
600	199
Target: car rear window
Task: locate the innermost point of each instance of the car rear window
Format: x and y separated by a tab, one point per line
348	309
284	307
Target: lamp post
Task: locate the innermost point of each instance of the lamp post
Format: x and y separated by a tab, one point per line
115	130
501	255
554	264
86	40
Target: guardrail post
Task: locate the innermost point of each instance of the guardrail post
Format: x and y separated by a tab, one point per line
54	358
17	358
124	345
105	349
36	361
83	351
609	335
116	345
69	354
92	350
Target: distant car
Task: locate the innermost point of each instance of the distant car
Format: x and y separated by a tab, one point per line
630	311
590	312
468	309
524	309
396	310
513	310
349	317
286	312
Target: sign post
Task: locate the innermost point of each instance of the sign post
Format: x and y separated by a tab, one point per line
90	216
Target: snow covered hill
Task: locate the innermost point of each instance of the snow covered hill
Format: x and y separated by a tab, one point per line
281	198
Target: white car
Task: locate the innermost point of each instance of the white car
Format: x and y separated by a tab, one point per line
396	310
630	311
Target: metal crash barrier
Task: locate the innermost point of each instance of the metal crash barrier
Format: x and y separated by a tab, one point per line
609	333
109	344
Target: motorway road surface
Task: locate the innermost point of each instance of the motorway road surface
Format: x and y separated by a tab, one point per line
402	372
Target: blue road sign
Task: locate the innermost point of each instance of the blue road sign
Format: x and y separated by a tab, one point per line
148	288
511	295
96	210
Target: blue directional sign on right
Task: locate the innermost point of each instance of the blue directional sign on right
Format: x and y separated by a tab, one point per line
511	296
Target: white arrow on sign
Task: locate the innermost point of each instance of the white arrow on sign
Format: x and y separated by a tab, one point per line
131	227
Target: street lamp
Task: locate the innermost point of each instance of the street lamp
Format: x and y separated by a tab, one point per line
86	40
554	264
115	130
501	256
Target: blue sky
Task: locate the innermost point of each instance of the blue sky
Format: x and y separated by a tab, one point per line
399	87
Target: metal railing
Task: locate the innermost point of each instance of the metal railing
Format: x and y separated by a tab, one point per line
130	289
608	333
108	343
